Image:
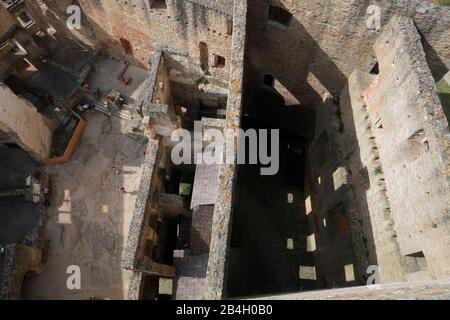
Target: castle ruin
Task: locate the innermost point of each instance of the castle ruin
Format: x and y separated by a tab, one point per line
359	91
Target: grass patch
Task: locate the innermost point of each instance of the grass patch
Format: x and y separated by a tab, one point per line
443	90
444	2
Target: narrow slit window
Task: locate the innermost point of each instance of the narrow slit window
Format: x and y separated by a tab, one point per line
375	69
269	80
229	27
204	59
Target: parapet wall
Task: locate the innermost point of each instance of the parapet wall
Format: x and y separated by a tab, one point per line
398	291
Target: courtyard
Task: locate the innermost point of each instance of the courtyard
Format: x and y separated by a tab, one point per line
90	215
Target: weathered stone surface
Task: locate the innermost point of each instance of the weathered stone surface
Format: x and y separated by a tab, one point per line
215	278
21	123
326	40
137	223
412	137
15	262
398	291
447	78
366	196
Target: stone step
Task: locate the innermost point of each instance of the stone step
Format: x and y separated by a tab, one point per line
103	108
124	114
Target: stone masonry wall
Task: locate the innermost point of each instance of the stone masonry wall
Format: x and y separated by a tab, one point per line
326	40
221	227
374	220
23	125
438	290
7	22
413	140
182	26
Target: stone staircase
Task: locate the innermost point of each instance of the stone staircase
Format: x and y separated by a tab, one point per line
123	113
103	108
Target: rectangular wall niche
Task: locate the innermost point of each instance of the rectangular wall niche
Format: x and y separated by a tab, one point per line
219	61
415	262
158	4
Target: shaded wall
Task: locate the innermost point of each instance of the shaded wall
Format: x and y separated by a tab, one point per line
326	40
374	221
183	25
6	22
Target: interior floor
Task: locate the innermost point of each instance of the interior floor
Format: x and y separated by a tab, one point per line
270	226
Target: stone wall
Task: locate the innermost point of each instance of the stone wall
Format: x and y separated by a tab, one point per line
374	222
15	262
182	25
221	228
413	139
333	218
383	154
133	254
21	124
438	290
326	40
6	22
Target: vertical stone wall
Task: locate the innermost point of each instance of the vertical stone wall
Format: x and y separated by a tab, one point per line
326	40
133	254
7	22
221	228
20	123
374	221
412	137
340	249
182	25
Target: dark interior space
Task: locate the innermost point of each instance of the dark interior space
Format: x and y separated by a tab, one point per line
269	223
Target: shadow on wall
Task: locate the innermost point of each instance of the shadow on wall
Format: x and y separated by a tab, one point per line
311	63
361	183
437	66
70	47
443	90
121	47
268	231
338	213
